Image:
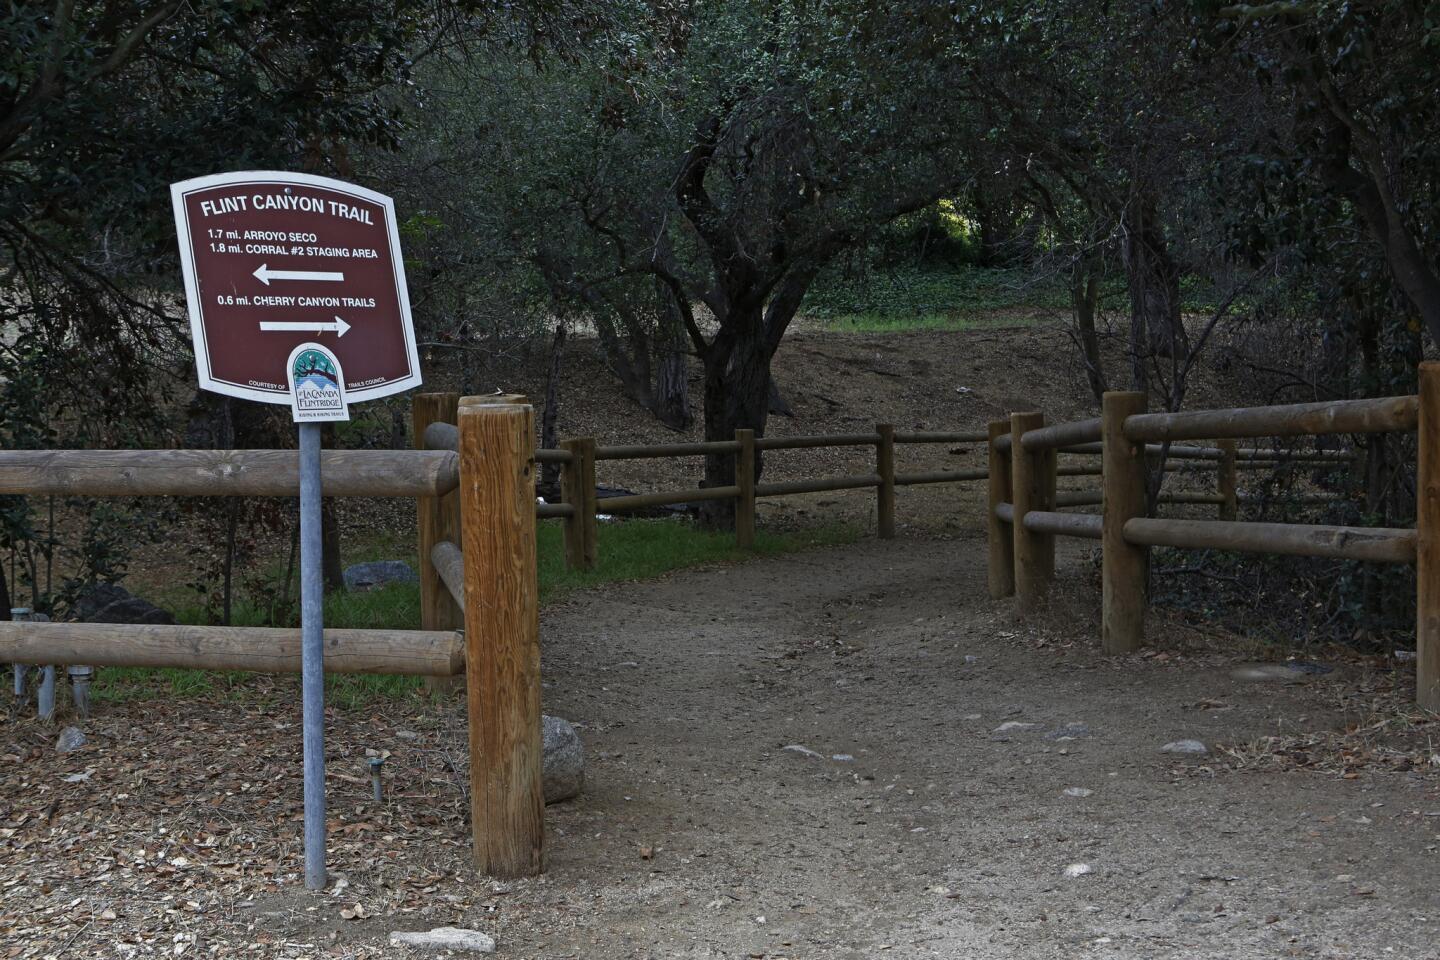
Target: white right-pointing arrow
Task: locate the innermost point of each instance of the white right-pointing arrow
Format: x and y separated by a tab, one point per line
339	327
264	274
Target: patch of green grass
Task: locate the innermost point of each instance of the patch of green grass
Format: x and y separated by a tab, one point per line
640	549
932	298
629	550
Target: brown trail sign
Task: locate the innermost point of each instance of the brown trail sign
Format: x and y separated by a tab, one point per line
273	260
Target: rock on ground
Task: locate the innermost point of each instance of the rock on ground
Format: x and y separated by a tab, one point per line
71	738
564	763
112	603
445	938
367	576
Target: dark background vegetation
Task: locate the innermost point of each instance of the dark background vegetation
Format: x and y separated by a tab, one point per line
1202	186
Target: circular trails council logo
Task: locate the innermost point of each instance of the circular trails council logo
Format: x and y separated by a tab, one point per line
317	386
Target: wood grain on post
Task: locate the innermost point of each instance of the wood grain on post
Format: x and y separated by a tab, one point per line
437	520
1032	485
745	481
1001	562
1225	481
502	633
572	492
885	492
1427	545
1125	566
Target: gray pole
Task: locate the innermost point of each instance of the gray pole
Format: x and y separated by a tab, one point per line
312	654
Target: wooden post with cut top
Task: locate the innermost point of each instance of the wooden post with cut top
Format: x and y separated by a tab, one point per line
745	480
1125	567
1427	540
885	492
437	520
502	636
1032	486
1226	484
1001	564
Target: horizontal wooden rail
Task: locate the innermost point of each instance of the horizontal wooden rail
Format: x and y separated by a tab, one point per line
225	473
816	486
940	476
638	501
1381	544
450	564
1062	435
650	451
1381	415
1005	511
1176	452
551	455
437	653
547	510
805	443
941	436
1085	525
1078	470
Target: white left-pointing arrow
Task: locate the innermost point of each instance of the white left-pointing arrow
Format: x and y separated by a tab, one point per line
306	326
264	274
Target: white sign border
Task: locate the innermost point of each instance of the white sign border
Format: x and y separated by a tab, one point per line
178	192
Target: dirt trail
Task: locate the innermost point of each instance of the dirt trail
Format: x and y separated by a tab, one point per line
937	838
940	837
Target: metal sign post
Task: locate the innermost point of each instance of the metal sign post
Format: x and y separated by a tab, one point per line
273	262
312	654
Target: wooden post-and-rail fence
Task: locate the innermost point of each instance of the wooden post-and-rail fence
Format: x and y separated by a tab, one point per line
1023	516
480	598
473	479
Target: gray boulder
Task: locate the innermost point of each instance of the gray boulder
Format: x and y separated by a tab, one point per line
564	765
112	603
378	573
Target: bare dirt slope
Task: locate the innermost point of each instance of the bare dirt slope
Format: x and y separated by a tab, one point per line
701	836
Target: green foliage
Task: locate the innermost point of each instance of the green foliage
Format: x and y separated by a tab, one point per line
879	300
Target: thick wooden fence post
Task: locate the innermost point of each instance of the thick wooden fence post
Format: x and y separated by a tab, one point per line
1427	543
1032	485
1125	567
1226	481
437	519
745	480
580	524
885	492
502	637
1001	569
